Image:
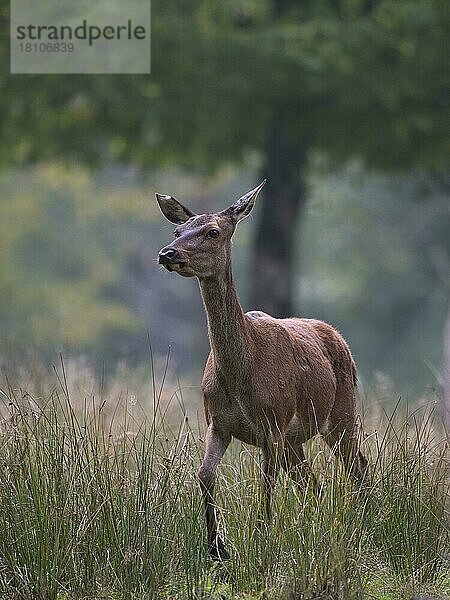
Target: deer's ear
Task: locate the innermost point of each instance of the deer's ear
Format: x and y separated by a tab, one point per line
242	207
173	210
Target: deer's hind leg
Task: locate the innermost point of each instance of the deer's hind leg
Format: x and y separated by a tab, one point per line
296	465
342	432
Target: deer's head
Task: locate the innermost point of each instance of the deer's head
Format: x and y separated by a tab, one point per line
201	247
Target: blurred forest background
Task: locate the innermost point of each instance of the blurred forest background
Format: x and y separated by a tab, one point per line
341	104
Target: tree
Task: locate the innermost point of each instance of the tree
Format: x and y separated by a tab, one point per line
284	78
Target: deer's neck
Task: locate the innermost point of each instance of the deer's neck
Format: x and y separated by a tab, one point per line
227	326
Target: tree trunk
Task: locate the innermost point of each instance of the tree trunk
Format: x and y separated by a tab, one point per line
273	268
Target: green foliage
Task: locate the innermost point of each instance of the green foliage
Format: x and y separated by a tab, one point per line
60	255
349	77
97	503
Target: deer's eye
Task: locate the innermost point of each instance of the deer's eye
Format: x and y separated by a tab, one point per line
213	233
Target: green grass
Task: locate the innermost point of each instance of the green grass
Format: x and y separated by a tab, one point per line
97	504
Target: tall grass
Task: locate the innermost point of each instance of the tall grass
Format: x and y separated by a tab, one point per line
97	504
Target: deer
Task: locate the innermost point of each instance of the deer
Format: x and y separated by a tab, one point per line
273	383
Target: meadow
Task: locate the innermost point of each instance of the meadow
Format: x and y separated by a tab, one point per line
99	499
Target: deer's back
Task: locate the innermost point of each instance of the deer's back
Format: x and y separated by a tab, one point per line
308	341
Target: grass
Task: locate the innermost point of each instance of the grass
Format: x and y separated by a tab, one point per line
95	503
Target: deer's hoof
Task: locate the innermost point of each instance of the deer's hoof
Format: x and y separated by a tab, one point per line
217	550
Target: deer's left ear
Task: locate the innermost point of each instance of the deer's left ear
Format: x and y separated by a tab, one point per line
173	210
242	207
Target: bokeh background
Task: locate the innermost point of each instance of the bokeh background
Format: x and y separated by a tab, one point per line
341	104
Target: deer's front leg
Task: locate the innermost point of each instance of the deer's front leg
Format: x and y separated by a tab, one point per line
216	444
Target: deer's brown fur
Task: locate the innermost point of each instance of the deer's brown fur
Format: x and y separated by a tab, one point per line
273	383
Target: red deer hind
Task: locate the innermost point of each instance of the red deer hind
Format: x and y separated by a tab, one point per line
272	383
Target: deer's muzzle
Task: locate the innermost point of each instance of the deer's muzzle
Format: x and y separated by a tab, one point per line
170	257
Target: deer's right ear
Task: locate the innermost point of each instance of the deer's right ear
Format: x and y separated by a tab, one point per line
242	207
173	210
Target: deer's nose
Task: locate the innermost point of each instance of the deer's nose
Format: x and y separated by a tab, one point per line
169	255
